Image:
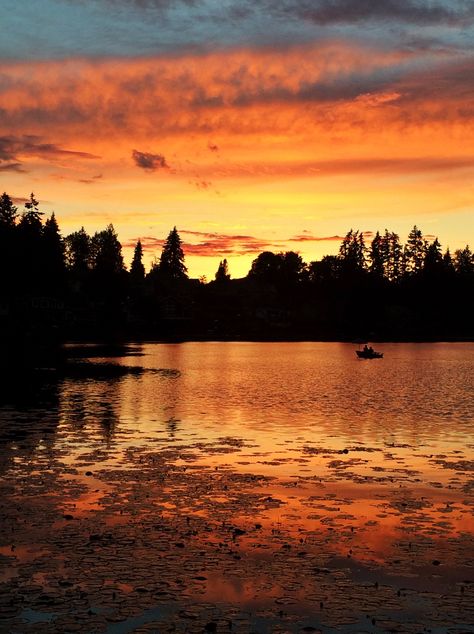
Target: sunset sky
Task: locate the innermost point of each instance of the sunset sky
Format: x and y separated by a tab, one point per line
250	125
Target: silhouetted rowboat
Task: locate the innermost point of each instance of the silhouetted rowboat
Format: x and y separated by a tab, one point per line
369	354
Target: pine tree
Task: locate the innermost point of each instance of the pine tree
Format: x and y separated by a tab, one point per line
8	251
8	212
54	265
32	214
172	258
448	261
464	261
415	251
395	255
433	263
222	274
352	252
137	270
378	256
30	245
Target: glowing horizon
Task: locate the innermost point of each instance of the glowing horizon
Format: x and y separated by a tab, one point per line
280	137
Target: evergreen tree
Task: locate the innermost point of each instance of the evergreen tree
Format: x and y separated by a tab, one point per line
30	244
464	261
53	257
433	263
32	214
414	252
395	255
222	273
8	250
448	261
352	252
8	212
378	256
137	270
172	258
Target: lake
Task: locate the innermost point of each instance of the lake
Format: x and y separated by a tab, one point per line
242	487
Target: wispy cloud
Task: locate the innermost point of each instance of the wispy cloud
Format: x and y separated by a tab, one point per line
211	244
92	180
15	149
32	145
308	237
215	244
11	167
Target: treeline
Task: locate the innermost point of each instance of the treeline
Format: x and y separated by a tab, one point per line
77	286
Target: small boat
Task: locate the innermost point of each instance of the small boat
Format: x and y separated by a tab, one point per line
369	353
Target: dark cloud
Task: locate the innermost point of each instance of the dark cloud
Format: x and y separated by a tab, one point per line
149	162
139	28
12	148
420	12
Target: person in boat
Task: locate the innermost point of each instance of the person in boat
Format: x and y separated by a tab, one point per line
368	349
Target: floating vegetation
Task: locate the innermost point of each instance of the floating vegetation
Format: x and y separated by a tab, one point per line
117	520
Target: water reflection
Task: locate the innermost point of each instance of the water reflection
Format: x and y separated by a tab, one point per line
271	485
91	408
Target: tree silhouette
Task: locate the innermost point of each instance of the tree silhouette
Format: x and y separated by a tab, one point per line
8	248
325	271
433	263
8	211
78	252
400	292
137	270
352	254
106	252
393	250
414	252
266	268
222	273
32	215
30	230
378	256
172	265
464	261
53	257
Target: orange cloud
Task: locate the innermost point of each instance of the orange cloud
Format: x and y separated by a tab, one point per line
258	143
202	93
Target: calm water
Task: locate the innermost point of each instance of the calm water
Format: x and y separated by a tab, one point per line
272	486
